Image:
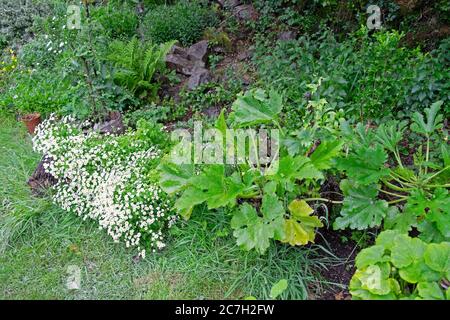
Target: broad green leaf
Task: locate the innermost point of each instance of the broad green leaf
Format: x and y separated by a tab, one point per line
325	152
434	208
255	231
299	208
278	288
387	238
300	228
390	134
188	200
173	178
365	165
369	256
220	191
429	232
299	141
430	291
360	209
256	107
406	251
246	215
418	272
433	120
374	279
292	169
403	222
437	257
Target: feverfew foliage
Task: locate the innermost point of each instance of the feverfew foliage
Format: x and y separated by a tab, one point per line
107	179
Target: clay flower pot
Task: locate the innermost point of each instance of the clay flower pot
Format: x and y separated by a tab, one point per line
31	121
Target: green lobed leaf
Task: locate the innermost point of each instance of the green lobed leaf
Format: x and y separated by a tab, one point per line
433	120
327	150
361	209
366	165
300	228
256	107
254	231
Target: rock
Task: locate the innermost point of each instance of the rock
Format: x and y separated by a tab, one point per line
178	63
244	55
199	76
178	51
245	12
190	62
287	35
40	180
197	52
213	112
185	60
229	4
113	126
406	6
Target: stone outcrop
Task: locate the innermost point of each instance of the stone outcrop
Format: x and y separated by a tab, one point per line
190	62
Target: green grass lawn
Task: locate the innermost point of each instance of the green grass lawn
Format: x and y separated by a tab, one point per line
38	242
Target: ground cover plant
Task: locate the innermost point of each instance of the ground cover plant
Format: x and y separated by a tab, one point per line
224	150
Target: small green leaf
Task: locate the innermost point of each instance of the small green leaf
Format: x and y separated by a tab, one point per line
433	120
278	288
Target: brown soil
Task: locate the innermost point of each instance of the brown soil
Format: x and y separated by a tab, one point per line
341	272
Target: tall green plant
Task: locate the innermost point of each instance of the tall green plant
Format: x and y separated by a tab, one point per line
420	186
136	64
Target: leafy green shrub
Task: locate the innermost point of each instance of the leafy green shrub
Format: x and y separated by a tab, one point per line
209	95
117	18
136	64
281	191
109	179
151	114
431	81
422	185
400	267
183	21
17	17
42	92
42	52
367	77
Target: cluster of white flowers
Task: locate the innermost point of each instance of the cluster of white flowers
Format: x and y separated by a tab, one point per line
106	178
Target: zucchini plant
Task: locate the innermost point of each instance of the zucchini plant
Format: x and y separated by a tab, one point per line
266	201
420	188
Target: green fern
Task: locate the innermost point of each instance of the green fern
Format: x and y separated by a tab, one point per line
136	64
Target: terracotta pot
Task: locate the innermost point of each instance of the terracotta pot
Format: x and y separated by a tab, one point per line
31	121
